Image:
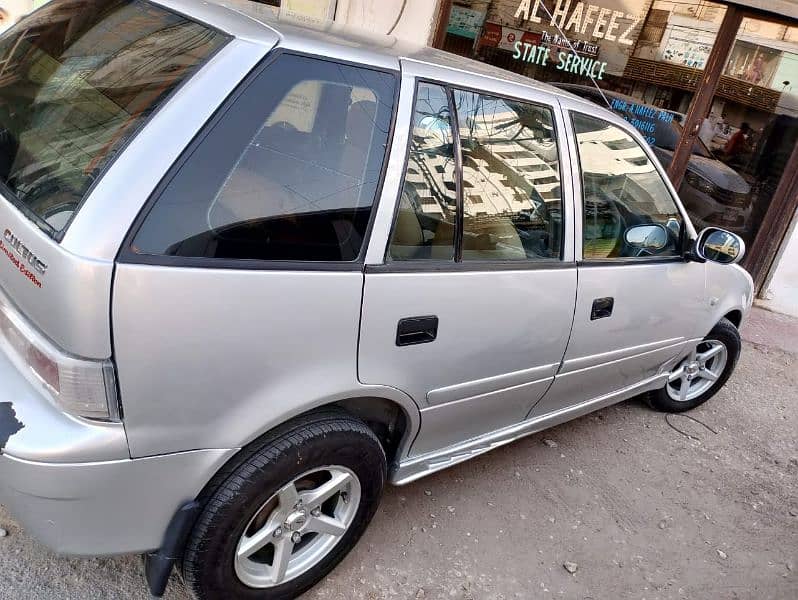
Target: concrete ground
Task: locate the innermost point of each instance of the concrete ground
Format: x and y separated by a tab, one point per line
645	506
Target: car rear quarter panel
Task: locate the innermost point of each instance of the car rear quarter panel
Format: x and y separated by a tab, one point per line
70	301
213	358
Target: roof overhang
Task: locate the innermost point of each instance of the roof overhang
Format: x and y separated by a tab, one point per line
782	8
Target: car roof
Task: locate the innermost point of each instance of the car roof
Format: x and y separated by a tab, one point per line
259	23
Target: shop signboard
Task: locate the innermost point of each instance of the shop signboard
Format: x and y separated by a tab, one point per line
557	43
491	35
497	36
688	47
308	11
599	22
465	22
511	37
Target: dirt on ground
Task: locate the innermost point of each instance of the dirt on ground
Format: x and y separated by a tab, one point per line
623	503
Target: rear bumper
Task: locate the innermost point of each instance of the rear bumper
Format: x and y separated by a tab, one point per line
72	484
103	508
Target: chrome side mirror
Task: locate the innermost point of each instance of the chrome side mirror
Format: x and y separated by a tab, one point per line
649	238
720	246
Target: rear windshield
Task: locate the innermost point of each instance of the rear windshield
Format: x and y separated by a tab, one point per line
77	79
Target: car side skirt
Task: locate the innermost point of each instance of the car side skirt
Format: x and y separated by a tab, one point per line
420	466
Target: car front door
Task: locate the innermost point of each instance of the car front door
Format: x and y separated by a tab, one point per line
637	306
469	299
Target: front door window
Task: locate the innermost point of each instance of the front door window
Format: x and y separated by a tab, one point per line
621	189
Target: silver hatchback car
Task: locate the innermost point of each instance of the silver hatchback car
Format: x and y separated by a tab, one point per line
249	272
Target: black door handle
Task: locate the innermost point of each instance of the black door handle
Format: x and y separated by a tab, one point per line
602	308
416	330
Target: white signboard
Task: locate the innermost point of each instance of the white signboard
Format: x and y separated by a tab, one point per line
308	11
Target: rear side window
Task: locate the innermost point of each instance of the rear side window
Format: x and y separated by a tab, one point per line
77	81
426	220
289	173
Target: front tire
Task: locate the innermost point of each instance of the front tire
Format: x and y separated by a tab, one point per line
285	516
702	373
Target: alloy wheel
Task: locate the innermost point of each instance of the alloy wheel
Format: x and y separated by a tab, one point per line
297	527
698	372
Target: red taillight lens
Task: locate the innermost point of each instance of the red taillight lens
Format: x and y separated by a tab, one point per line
44	368
81	387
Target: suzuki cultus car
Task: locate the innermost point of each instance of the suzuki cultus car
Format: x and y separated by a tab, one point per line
251	272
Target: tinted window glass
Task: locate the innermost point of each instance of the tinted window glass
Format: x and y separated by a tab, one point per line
78	79
425	222
290	172
511	179
621	189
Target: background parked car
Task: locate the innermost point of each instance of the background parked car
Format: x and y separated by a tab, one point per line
712	192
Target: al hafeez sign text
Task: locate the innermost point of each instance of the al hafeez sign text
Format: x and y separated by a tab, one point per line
604	20
605	25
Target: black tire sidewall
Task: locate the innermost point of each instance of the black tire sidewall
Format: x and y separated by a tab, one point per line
208	563
724	332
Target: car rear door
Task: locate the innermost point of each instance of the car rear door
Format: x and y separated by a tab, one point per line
470	280
635	310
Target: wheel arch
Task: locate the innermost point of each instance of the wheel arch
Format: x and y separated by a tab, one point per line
392	416
389	420
735	317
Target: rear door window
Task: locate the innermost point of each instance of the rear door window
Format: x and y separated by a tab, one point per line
503	203
77	80
289	173
511	179
425	223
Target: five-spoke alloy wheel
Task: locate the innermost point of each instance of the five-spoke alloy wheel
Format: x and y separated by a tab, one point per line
287	510
697	377
698	372
296	528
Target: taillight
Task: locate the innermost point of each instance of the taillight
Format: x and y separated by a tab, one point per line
80	387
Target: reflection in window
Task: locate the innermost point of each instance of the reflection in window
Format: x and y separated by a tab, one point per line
425	222
77	80
290	174
511	179
621	189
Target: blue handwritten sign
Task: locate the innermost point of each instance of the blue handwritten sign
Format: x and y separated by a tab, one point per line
642	117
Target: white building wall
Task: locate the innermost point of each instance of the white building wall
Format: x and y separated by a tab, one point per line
781	293
411	20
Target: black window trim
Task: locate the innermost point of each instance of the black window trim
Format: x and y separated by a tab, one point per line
583	262
58	236
128	256
457	150
448	266
439	265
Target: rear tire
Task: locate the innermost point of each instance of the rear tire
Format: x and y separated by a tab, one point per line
277	495
695	379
